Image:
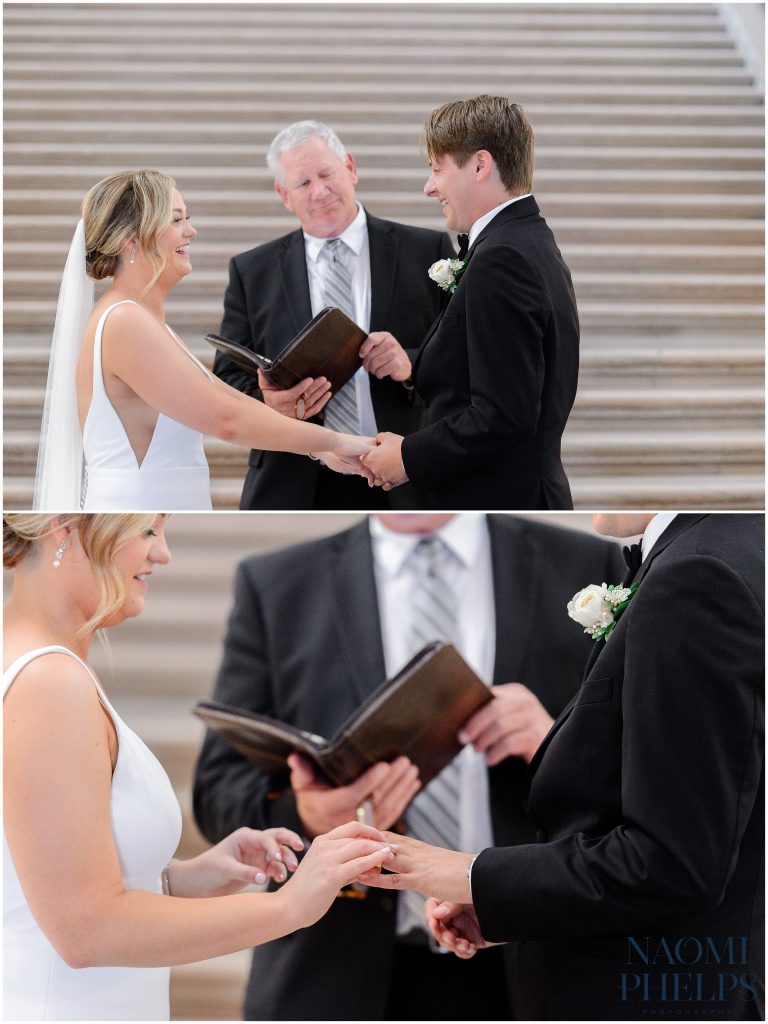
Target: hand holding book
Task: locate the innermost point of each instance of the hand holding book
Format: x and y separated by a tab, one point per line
417	714
383	790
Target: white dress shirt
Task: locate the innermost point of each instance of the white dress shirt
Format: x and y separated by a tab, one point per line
466	535
654	530
479	224
358	262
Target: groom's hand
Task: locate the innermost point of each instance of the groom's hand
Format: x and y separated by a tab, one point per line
455	927
387	788
513	724
386	461
384	356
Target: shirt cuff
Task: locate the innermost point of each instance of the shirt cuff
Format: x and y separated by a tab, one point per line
469	875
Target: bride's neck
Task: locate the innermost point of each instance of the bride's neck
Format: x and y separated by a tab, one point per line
35	615
126	285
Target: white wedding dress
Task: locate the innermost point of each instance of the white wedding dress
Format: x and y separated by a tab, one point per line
173	474
146	824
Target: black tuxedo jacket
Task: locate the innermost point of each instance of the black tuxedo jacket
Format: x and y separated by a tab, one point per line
304	646
498	375
267	303
648	793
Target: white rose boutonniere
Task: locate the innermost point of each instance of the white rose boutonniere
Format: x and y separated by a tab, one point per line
446	273
598	607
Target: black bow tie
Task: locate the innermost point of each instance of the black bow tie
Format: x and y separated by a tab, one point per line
463	241
633	556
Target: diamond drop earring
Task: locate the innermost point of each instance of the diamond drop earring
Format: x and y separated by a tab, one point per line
132	257
59	553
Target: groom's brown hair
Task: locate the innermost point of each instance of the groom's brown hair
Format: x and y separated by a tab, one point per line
461	128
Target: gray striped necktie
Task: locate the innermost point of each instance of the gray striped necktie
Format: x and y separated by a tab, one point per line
432	816
341	413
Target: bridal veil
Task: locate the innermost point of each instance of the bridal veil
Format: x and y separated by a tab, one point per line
59	478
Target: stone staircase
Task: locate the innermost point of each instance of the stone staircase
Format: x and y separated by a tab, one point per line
649	168
162	663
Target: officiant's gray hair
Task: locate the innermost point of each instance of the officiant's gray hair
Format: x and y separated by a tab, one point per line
294	135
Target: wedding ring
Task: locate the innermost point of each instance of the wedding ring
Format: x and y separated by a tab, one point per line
364	813
300	408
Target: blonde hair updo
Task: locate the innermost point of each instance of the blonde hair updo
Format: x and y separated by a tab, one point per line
101	537
128	203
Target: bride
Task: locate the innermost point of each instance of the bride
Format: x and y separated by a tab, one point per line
127	403
95	906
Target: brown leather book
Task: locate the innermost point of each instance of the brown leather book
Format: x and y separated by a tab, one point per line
417	713
327	346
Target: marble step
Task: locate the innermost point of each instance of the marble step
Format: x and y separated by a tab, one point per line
410	203
682	491
581	257
45	180
670	15
210	990
331	102
192	316
230	131
242	233
284	78
632	285
659	27
706	492
630	407
653	360
37	101
190	155
597	447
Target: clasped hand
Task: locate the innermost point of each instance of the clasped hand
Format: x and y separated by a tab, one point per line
455	926
381	463
385	462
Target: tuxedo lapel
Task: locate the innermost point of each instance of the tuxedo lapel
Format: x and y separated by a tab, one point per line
383	253
676	528
679	525
293	274
527	207
357	609
436	323
561	719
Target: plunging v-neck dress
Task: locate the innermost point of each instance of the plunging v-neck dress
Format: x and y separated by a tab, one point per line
173	474
146	825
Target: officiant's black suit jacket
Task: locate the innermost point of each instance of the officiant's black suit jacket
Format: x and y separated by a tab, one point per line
304	646
648	793
498	375
267	303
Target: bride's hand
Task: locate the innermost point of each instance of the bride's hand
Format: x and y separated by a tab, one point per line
346	455
332	861
247	856
350	446
348	466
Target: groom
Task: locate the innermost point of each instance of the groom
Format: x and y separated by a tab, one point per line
644	894
498	370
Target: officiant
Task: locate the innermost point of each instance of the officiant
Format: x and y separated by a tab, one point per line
314	629
341	255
